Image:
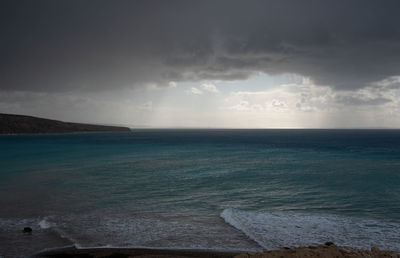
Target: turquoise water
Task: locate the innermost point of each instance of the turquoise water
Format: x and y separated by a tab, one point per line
213	189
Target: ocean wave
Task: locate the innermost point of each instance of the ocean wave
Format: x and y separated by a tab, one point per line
139	230
273	230
45	223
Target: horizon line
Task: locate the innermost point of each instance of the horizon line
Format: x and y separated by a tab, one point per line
257	128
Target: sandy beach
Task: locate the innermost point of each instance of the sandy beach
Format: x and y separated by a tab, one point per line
134	252
329	250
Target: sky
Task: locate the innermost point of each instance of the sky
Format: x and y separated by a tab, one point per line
203	64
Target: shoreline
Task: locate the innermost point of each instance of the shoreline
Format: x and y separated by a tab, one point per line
328	249
73	251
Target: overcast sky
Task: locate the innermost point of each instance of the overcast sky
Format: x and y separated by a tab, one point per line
167	63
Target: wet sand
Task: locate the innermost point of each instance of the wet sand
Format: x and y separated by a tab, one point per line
328	250
70	252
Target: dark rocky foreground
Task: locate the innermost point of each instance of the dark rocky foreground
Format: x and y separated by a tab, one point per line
17	124
328	250
72	252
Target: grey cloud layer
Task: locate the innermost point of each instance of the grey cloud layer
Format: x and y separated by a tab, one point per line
103	45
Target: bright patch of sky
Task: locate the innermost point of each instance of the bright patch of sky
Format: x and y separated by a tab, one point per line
267	101
263	101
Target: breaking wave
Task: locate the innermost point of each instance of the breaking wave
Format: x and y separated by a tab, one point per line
274	230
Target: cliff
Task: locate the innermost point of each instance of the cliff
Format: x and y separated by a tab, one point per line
17	124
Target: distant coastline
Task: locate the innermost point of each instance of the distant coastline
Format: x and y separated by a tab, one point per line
20	124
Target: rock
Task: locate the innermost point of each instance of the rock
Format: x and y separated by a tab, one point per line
242	256
329	244
27	230
375	249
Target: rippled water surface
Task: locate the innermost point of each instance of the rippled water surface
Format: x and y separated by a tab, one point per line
214	189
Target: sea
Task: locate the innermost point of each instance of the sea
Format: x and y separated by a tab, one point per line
242	190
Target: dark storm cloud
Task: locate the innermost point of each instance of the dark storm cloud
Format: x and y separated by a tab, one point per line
349	100
98	45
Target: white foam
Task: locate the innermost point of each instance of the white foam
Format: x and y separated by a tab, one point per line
177	232
45	224
279	229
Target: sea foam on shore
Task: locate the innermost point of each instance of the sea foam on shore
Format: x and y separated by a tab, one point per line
272	230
